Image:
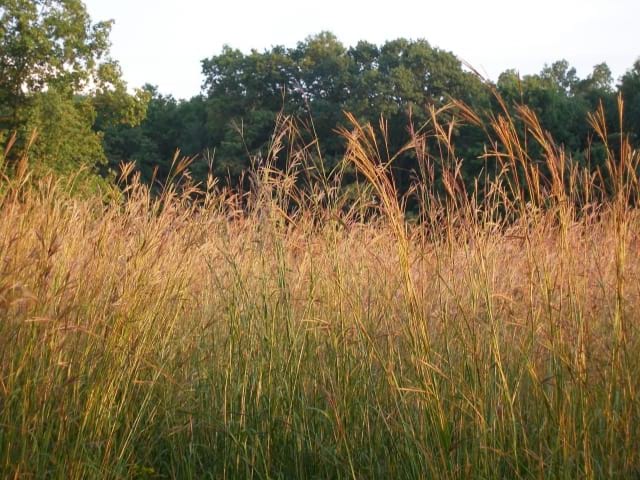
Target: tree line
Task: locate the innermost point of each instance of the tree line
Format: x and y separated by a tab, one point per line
57	78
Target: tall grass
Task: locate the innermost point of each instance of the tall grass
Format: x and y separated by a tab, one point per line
296	332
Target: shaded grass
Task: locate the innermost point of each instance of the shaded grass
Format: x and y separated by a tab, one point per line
284	333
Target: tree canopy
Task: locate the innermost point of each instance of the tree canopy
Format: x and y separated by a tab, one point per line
320	79
58	80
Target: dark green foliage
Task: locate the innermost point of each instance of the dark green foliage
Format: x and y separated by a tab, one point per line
57	79
317	81
169	125
630	90
320	79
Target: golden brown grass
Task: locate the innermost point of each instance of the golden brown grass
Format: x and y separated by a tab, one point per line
290	333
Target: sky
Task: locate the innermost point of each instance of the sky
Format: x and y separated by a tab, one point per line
162	42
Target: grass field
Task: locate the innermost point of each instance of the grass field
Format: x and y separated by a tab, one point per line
294	332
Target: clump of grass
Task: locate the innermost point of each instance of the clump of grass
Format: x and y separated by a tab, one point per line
282	333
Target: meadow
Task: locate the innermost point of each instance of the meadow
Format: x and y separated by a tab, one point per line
295	330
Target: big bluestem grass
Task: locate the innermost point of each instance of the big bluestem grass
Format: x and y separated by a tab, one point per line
294	331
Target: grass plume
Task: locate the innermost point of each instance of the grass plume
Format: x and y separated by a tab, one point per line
277	333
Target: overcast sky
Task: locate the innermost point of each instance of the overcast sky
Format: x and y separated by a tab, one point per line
163	41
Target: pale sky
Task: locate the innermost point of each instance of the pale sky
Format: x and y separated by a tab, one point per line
163	41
